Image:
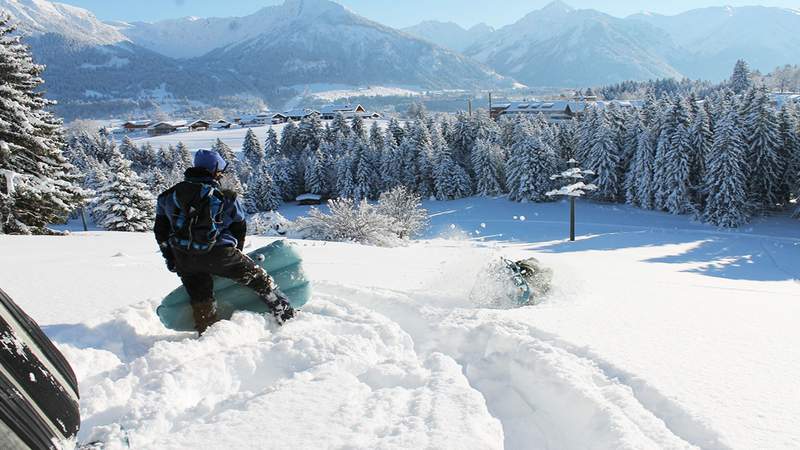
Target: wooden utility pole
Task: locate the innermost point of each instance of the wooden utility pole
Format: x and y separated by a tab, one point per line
572	219
83	219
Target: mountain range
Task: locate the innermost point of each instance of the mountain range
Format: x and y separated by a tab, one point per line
562	46
100	69
122	68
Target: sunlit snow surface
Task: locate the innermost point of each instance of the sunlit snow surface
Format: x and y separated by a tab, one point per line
659	333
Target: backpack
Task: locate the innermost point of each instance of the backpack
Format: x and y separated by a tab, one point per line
197	217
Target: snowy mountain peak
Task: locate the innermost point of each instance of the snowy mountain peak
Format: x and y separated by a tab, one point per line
314	8
557	7
37	17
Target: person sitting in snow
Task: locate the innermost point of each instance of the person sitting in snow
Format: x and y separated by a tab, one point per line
200	230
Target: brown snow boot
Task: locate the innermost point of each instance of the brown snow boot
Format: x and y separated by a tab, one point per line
205	315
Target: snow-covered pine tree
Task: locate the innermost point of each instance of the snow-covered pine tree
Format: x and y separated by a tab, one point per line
676	175
603	160
124	203
272	146
339	125
183	160
463	134
700	138
789	149
345	175
366	179
316	177
522	133
262	193
252	156
726	182
128	148
762	137
391	164
630	140
283	175
639	186
310	132
747	102
397	131
450	180
75	154
418	165
358	127
507	125
587	127
487	165
157	182
144	159
226	153
567	143
290	143
667	124
183	157
165	158
530	166
252	152
376	138
38	184
741	79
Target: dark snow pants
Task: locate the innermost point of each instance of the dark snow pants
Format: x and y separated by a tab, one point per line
197	271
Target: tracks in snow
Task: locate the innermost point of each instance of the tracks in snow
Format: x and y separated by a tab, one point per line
547	393
363	368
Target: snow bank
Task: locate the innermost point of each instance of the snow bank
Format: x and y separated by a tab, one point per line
339	376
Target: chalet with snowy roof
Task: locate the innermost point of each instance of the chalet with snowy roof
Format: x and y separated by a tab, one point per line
553	111
262	118
162	128
329	112
299	114
309	199
132	126
557	110
221	124
780	99
200	125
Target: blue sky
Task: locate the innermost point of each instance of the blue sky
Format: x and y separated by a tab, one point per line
398	13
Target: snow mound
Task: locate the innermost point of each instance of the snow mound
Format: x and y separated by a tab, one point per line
338	376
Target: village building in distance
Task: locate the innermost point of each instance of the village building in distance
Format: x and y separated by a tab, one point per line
558	110
160	128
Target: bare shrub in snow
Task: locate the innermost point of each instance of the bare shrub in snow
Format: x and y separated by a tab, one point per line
404	208
349	222
398	216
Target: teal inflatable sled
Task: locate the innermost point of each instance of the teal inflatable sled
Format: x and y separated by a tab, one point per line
280	259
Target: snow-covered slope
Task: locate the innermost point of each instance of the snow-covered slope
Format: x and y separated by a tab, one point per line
450	35
562	46
659	333
37	17
715	38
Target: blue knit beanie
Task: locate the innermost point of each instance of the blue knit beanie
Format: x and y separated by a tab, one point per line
209	160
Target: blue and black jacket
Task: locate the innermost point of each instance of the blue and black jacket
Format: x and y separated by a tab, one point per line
233	229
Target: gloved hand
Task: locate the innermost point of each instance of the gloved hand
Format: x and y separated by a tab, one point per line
283	312
171	265
281	309
169	257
